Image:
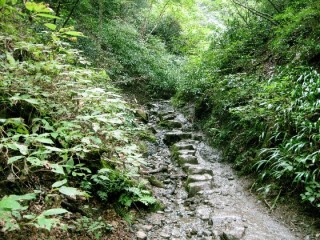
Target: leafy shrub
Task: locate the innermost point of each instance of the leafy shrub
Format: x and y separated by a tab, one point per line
61	122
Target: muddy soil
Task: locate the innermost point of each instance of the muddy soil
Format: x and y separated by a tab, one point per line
203	196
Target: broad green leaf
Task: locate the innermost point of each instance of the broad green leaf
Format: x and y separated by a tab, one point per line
46	223
22	148
29	216
38	7
54	135
13	159
44	140
74	33
10	203
57	168
28	196
70	191
35	161
53	149
59	183
48	16
51	26
54	211
32	101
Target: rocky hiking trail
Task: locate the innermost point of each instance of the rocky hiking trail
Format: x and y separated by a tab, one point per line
203	197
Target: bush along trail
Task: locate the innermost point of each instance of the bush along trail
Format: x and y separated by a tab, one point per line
70	146
202	196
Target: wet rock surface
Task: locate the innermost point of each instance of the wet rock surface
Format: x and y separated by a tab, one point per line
202	196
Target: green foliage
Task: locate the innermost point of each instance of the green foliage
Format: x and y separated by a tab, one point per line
11	209
116	43
169	30
61	124
95	227
111	184
256	92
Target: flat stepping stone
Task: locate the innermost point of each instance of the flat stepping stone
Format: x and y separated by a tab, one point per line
170	124
183	159
187	166
167	113
197	169
175	136
184	146
195	187
187	152
168	117
199	178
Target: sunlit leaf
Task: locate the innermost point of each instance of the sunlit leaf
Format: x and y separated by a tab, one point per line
35	161
54	211
71	191
32	101
59	183
57	168
51	26
74	34
54	149
46	223
44	140
49	16
37	7
13	159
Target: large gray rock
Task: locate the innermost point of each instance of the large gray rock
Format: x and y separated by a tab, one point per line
196	187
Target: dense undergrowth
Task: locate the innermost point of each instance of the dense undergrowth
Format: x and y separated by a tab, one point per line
68	139
127	44
257	91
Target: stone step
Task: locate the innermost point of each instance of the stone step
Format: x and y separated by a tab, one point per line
199	178
195	187
197	169
183	159
187	166
170	124
168	117
185	145
162	114
175	136
186	152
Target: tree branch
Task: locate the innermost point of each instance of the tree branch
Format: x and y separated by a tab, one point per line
70	13
274	6
256	12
